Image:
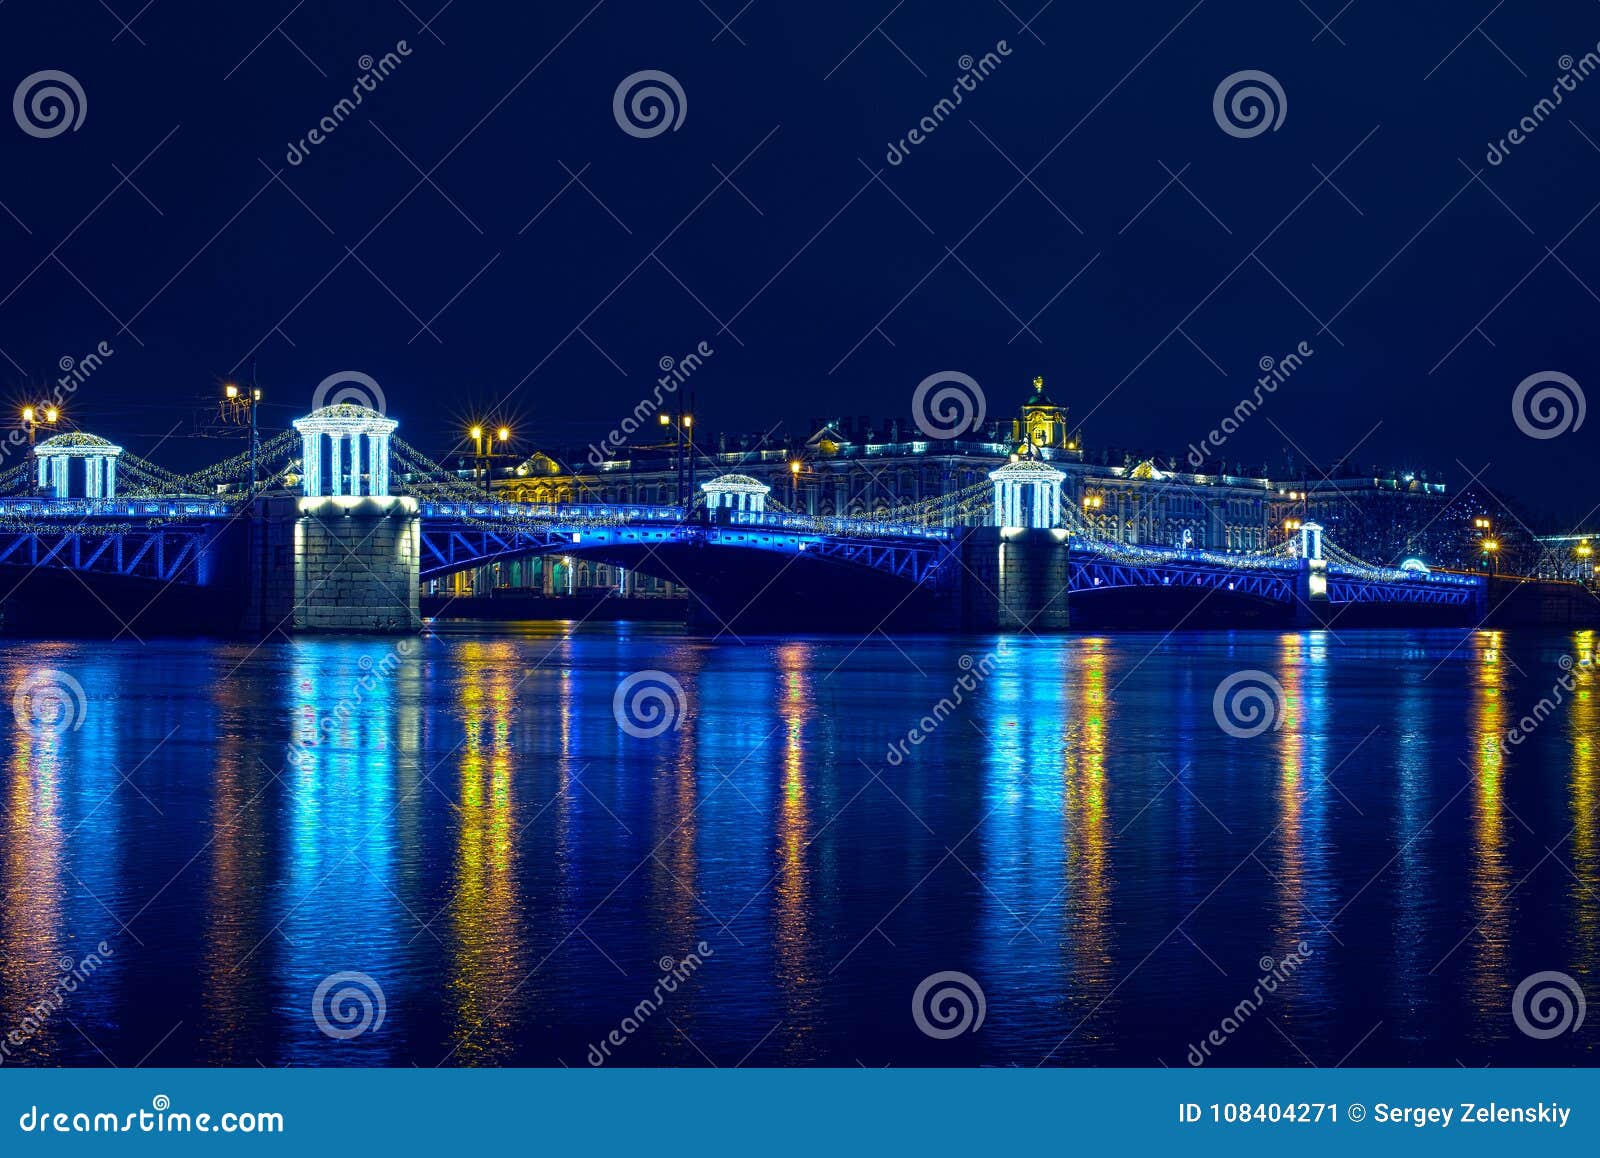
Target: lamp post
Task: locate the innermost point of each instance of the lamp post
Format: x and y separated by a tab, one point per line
682	427
794	485
247	400
32	418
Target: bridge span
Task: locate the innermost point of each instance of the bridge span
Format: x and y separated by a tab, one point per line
325	547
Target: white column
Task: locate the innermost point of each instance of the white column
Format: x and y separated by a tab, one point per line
44	472
97	474
111	477
310	484
61	472
999	517
336	459
380	465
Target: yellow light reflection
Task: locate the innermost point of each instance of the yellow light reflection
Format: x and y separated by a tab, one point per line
1583	725
796	963
31	934
1491	870
1087	828
485	966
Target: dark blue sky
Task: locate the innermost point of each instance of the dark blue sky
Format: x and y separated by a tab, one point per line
821	288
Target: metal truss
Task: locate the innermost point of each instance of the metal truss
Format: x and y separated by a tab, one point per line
1436	594
1101	574
166	554
449	546
916	563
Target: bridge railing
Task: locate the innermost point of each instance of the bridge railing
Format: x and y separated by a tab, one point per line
1397	575
832	525
118	508
554	512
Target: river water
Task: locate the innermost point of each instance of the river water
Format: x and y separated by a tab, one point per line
460	832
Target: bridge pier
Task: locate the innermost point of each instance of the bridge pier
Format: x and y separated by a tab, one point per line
1016	580
1312	607
335	564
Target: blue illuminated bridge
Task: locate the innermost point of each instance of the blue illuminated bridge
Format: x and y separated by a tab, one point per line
325	545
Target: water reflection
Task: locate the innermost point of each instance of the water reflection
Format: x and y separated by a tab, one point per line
1491	870
483	874
487	940
339	910
1086	828
231	973
1583	734
797	967
32	940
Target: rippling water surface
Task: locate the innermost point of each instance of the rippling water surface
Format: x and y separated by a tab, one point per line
469	827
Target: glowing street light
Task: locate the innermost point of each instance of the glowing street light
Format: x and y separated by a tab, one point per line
682	423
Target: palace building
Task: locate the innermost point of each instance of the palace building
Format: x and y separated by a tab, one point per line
860	469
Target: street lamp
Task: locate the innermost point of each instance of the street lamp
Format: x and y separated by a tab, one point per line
32	419
244	404
794	484
683	427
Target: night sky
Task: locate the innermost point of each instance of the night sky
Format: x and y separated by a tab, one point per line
549	260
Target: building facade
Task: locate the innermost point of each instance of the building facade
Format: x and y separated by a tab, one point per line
859	469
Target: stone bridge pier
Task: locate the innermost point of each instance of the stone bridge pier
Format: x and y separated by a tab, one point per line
345	556
1016	572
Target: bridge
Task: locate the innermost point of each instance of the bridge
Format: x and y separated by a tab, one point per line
322	544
